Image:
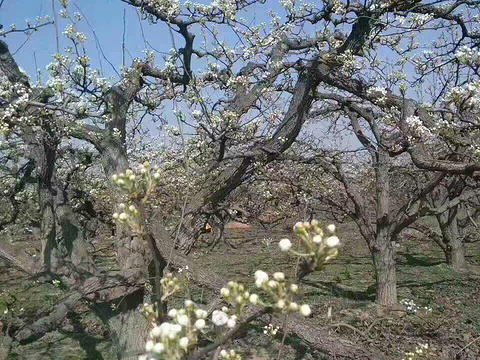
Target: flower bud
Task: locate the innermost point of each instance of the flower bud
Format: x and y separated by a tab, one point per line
156	331
158	348
331	228
272	284
317	239
231	323
182	320
285	244
149	345
199	324
183	343
298	227
305	310
279	276
332	241
201	314
254	299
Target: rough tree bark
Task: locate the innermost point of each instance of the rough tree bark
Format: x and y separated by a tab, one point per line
452	239
61	234
129	327
383	251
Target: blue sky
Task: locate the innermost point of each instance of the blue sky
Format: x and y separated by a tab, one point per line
106	18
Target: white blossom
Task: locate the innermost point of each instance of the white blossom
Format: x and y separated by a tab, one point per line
305	310
285	244
219	318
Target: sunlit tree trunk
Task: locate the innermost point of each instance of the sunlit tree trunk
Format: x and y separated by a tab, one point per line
454	249
383	251
383	255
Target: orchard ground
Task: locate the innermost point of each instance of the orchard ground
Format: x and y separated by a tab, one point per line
446	303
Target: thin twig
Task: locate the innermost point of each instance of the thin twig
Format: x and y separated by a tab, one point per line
466	346
284	337
348	326
55	18
123	37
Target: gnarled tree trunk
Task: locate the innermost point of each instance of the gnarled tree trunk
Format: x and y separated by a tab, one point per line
454	249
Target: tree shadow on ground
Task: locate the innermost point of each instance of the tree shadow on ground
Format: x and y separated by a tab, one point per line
423	261
87	342
302	350
335	289
420	284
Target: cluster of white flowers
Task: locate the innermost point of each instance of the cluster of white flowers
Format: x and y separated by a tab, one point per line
466	97
420	20
131	180
270	330
227	7
220	318
286	4
168	8
467	56
174	339
136	186
17	97
347	59
418	128
72	33
30	27
235	82
230	355
410	305
421	351
280	293
237	296
377	94
169	285
56	84
318	246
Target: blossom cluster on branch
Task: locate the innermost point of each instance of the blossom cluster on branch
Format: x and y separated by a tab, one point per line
179	338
